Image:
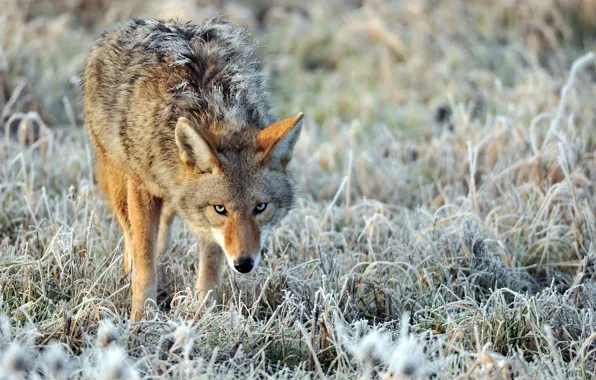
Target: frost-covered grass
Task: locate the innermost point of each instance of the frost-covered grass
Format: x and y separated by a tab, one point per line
446	225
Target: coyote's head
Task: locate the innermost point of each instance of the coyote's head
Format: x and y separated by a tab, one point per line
236	187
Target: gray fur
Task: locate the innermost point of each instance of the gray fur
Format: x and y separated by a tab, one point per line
240	95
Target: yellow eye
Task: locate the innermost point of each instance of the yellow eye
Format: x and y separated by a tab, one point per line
221	210
260	208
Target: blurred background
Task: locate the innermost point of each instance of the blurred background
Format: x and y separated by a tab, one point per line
385	79
394	62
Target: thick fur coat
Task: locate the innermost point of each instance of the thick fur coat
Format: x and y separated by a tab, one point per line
180	119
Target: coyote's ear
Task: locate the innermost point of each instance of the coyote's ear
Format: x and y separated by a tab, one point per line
197	146
277	141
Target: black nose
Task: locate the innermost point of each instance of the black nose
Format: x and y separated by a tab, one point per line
244	265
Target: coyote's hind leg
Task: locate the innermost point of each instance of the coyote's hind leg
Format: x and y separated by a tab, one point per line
165	231
112	180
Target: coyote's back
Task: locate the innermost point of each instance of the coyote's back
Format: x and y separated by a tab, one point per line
141	75
179	117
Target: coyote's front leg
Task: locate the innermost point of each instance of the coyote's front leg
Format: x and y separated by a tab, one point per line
144	212
210	268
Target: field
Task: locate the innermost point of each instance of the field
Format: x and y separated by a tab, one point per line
446	226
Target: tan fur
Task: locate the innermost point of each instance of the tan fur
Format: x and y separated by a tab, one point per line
144	211
210	268
269	137
113	181
179	121
241	236
165	224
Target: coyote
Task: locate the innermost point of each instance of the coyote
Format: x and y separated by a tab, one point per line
180	121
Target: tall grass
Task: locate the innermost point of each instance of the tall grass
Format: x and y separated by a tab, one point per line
445	227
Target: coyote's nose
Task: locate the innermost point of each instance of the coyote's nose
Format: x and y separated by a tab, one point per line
244	265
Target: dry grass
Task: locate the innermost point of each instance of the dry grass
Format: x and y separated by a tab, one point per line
446	226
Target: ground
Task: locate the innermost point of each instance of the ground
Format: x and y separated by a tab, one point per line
446	224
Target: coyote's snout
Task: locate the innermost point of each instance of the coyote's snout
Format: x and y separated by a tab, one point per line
180	120
241	238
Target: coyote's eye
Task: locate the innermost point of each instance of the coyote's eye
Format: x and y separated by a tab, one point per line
260	208
221	210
